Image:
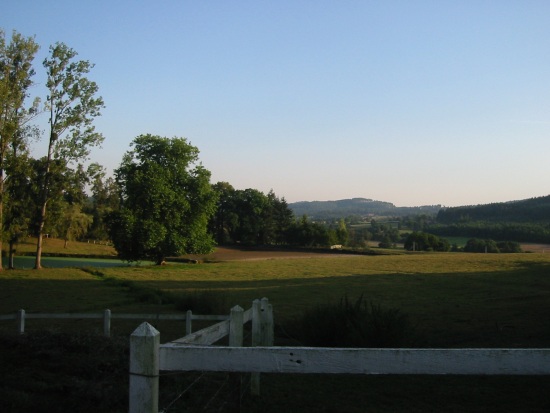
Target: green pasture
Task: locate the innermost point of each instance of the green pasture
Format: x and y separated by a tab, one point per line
455	299
452	299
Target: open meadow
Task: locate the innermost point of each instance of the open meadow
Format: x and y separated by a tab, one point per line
452	300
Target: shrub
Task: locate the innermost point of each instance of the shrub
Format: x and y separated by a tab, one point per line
481	245
509	246
422	241
354	324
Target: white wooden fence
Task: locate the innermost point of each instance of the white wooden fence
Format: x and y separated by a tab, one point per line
148	357
21	315
145	345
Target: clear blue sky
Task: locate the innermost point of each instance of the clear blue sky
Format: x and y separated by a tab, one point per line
411	102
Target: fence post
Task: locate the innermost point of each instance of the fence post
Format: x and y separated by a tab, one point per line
256	323
236	327
236	334
107	323
257	340
21	321
268	328
144	369
188	321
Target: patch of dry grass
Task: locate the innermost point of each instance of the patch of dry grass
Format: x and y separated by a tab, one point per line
57	246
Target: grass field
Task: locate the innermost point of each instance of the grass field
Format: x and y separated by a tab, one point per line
453	299
57	246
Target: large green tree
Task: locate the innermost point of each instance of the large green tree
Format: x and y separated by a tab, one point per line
16	71
72	105
167	201
250	217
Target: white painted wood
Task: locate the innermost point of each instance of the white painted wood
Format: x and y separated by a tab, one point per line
189	322
107	323
269	331
236	330
256	341
256	322
144	369
21	321
206	336
174	317
356	361
21	315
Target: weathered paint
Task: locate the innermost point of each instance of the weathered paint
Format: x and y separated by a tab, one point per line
144	369
356	361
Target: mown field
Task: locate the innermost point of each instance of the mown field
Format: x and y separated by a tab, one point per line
452	299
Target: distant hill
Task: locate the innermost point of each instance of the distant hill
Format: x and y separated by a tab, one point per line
533	210
356	207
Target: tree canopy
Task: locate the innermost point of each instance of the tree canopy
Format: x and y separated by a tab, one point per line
72	104
166	201
16	71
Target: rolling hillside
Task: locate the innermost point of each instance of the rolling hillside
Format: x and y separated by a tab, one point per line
357	207
533	210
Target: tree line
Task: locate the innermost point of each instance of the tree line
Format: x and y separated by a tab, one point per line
160	201
34	190
524	221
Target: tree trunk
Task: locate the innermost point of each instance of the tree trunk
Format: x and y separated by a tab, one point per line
45	189
1	210
11	264
42	219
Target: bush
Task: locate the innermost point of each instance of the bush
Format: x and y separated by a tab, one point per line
354	324
509	246
422	241
481	245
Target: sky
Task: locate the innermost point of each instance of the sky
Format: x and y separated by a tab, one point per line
410	102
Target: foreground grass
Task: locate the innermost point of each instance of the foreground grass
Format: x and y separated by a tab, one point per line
454	300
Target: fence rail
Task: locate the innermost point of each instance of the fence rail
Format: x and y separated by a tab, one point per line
318	360
148	357
145	344
21	316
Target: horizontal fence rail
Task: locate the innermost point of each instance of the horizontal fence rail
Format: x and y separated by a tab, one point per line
21	315
213	333
309	360
145	345
148	357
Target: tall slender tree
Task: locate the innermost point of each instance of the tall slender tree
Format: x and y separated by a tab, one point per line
72	105
16	72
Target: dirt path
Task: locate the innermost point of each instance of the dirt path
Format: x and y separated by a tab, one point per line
247	254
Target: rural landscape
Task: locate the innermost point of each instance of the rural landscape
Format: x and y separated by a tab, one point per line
158	237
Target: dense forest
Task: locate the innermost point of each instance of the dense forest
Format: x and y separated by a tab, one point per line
524	221
534	210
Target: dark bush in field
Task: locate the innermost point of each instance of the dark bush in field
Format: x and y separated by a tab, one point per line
509	246
354	324
422	241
